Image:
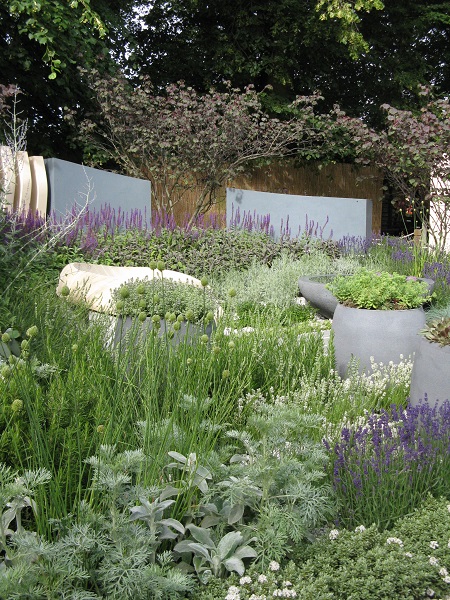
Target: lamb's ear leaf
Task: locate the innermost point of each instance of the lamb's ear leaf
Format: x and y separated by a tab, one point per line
177	456
168	492
246	552
236	513
202	535
199	550
228	543
234	564
174	524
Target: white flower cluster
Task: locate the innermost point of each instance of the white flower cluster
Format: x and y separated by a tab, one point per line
360	529
434	545
284	589
434	562
394	540
334	533
233	593
229	331
285	593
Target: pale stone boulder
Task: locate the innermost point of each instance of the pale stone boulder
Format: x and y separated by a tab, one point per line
94	284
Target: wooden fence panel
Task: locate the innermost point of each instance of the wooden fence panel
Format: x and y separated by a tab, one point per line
340	180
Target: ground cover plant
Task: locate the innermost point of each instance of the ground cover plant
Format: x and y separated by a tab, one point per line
160	471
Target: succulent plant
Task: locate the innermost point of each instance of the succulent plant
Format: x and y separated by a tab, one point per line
438	331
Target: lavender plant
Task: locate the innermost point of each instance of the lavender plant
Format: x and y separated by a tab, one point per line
385	467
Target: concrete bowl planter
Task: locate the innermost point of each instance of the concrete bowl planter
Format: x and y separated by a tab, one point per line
431	373
313	289
385	335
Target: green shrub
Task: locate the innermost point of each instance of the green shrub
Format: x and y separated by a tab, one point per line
201	251
367	565
379	291
162	296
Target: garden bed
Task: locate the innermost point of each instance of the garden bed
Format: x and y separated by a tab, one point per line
244	455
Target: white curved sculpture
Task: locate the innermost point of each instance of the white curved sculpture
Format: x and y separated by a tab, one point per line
22	195
39	186
94	284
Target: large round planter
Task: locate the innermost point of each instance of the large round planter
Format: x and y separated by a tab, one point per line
385	335
431	373
313	289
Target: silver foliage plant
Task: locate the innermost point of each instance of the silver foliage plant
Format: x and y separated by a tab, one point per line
260	492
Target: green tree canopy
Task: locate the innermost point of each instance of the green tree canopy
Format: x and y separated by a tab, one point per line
41	45
358	54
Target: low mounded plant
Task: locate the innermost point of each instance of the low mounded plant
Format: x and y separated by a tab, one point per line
164	298
379	291
438	331
410	562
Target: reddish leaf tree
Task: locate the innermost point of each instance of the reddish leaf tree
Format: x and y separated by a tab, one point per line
184	142
412	151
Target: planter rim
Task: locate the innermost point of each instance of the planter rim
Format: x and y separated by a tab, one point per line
382	310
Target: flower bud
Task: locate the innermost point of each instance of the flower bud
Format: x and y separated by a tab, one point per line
190	315
140	289
5	370
204	281
152	265
17	405
160	265
100	428
216	349
180	318
232	293
142	316
6	338
177	326
120	305
25	344
65	291
225	374
189	361
74	347
204	339
32	331
142	303
124	292
156	320
209	316
231	345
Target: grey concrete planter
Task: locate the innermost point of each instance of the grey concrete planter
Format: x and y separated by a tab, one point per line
431	373
129	328
121	332
313	289
381	334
